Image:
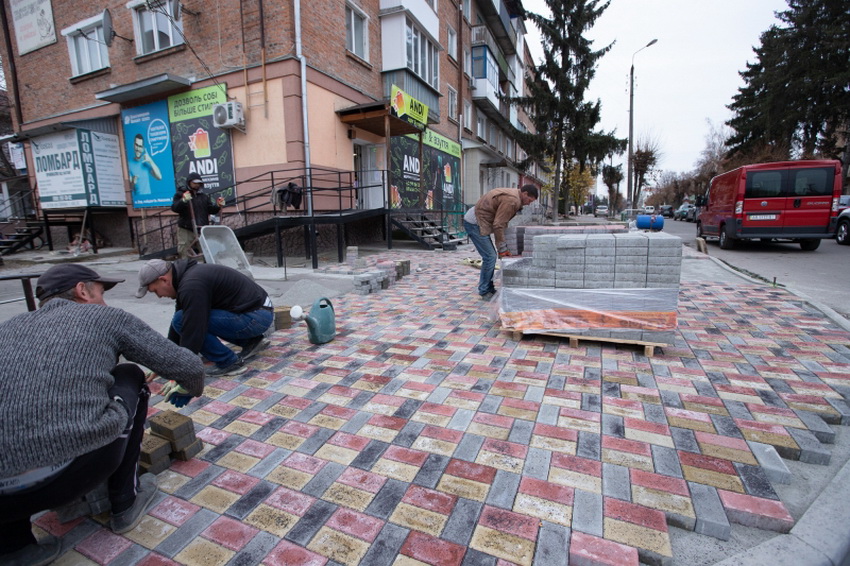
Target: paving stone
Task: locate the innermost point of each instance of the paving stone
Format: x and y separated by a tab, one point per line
552	546
811	450
589	445
386	546
615	482
817	426
587	512
711	516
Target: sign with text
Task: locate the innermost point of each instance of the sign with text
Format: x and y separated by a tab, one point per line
33	21
407	108
432	183
147	144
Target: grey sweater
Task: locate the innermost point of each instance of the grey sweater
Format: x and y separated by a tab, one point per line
55	368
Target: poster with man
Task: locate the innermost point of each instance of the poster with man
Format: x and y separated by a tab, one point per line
147	145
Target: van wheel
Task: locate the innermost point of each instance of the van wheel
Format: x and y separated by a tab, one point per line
809	245
726	242
842	235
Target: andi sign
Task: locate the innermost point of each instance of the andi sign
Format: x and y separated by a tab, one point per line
407	108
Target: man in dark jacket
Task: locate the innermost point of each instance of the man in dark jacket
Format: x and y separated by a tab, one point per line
72	418
213	303
194	208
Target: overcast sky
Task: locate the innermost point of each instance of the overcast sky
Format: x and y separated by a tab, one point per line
681	82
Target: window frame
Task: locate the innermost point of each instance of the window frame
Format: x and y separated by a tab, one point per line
82	31
451	97
355	11
422	54
451	42
174	31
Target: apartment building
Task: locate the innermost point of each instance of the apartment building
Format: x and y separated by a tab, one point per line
398	101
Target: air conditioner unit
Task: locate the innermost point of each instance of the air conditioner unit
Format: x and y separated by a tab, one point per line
228	115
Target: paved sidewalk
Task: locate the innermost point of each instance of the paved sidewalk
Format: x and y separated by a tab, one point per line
425	435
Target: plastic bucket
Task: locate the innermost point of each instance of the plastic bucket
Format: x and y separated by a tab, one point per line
649	222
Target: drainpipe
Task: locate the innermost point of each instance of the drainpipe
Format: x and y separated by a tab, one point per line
9	63
305	123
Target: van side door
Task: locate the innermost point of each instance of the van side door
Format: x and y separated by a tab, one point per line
764	203
809	203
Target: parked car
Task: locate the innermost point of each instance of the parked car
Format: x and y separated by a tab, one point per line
649	209
693	214
843	202
601	210
682	212
666	210
842	229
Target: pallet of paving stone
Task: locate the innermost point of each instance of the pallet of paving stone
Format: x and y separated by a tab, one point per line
648	347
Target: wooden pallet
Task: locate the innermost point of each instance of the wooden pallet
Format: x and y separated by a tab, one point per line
648	347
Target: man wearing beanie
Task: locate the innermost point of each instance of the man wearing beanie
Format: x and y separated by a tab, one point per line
194	208
72	418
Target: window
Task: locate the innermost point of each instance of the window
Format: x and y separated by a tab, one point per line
356	36
484	65
155	26
467	114
87	46
482	127
422	56
467	9
452	103
451	43
467	62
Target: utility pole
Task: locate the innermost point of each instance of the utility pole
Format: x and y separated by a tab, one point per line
629	195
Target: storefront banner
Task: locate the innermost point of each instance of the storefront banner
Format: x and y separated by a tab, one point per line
78	168
33	21
407	108
147	145
197	145
439	188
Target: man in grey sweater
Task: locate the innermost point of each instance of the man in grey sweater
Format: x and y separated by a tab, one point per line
71	417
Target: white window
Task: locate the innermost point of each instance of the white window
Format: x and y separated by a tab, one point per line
422	56
482	127
452	96
467	9
155	26
356	32
87	46
467	114
484	65
451	43
467	62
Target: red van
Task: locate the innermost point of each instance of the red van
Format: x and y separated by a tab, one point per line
795	201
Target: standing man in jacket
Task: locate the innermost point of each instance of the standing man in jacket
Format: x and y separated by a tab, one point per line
491	215
213	303
194	208
72	418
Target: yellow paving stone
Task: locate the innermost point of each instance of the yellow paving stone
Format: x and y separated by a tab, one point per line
170	481
578	424
327	421
213	392
463	487
763	385
335	453
73	558
244	401
434	446
663	501
201	552
272	520
543	509
242	428
204	417
752	399
462	403
690	424
489	431
575	479
237	461
726	453
215	498
687	389
285	440
367	385
279	410
294	390
412	394
704	408
622	411
380	409
256	383
553	444
622	379
781	420
710	477
338	546
649	437
657	542
642	397
813	408
500	461
562	402
395	470
331	399
292	479
378	433
523	414
419	519
628	459
327	378
507	392
431	418
769	438
503	545
150	532
348	496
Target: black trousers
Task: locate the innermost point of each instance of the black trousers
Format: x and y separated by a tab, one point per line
117	462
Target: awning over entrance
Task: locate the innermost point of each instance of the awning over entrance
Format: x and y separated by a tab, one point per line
151	86
375	117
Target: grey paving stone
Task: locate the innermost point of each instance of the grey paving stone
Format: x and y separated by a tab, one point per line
503	491
756	481
771	463
309	412
535	393
323	479
385	502
356	422
705	389
591	402
587	512
666	461
556	382
589	445
548	414
490	404
408	408
841	406
612	425
654	413
316	441
610	389
369	455
521	432
262	468
360	401
553	545
537	463
725	426
817	426
461	420
474	557
386	546
465	514
268	429
684	439
771	398
711	517
256	550
468	447
431	471
408	435
223	448
738	410
310	523
616	482
811	450
439	395
248	502
671	399
189	489
186	533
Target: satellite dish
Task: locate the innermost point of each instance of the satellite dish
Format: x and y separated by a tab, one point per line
108	30
175	10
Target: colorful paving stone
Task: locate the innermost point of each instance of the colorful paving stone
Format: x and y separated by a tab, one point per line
425	435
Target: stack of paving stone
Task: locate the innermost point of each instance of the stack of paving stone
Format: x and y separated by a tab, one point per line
93	503
171	435
526	234
387	274
619	286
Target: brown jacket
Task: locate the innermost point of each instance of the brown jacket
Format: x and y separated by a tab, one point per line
495	209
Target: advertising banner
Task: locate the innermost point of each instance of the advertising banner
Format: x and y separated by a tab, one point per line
78	168
198	146
407	108
147	144
33	21
433	184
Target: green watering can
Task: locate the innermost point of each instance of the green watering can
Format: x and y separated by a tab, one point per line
321	322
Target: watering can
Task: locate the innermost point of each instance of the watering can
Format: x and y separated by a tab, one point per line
321	322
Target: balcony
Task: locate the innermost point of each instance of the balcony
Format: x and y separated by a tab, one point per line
418	10
481	36
497	16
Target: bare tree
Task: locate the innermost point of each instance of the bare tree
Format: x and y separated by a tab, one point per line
612	177
644	159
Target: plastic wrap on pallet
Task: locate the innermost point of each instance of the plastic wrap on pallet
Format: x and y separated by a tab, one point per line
566	310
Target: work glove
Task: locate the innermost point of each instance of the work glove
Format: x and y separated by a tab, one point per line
220	201
187	196
503	250
175	394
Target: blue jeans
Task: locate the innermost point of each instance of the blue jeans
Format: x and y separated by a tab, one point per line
488	256
236	328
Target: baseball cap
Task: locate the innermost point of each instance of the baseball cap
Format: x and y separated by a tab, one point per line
60	278
149	273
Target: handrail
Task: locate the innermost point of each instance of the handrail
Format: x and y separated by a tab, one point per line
17	198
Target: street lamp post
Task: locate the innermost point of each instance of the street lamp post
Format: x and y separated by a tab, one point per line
632	120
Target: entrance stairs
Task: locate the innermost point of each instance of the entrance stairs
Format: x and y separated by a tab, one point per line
429	232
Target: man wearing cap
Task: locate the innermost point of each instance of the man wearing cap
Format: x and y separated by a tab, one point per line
194	208
213	303
72	418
